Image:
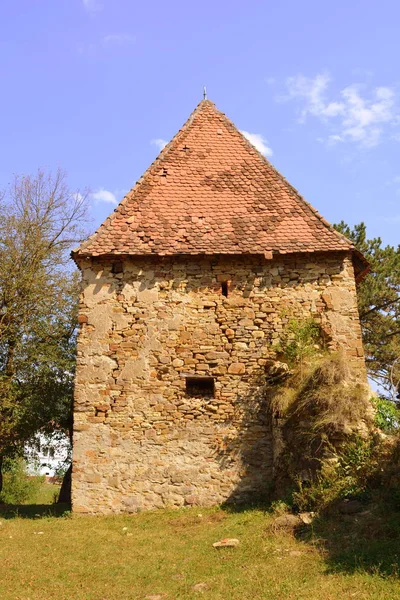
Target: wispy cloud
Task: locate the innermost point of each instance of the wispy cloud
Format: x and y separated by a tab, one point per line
88	50
394	219
92	6
160	143
312	92
95	48
394	183
259	141
394	180
119	39
353	116
103	195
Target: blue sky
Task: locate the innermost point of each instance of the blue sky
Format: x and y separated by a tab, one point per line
94	86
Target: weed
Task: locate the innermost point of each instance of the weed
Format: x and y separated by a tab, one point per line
300	340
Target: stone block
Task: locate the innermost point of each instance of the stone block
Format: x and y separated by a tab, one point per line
237	369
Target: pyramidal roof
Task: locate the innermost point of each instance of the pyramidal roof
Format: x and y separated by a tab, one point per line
211	192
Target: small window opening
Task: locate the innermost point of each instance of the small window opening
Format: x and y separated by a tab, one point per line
224	288
117	267
185	148
200	387
164	172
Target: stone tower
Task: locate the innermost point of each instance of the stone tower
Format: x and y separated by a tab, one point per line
186	289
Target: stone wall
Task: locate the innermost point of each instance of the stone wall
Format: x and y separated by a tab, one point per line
140	440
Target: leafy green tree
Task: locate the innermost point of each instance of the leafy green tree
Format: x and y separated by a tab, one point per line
387	416
379	306
40	219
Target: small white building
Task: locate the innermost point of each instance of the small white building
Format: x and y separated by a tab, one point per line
47	454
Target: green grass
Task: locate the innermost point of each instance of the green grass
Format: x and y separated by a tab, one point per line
47	493
42	493
18	488
47	554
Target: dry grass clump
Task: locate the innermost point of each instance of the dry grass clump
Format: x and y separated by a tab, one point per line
330	403
280	399
321	400
322	410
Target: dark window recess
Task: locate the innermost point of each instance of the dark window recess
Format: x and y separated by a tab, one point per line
117	267
224	288
164	172
200	387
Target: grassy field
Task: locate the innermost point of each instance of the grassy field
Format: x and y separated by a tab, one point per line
47	554
48	493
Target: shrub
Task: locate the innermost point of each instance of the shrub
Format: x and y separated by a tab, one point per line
318	494
352	473
18	487
387	416
301	339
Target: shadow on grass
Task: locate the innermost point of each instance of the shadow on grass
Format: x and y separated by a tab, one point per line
368	541
33	511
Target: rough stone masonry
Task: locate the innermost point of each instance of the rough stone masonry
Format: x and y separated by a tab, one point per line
183	303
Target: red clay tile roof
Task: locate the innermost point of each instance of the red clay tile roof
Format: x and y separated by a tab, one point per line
211	192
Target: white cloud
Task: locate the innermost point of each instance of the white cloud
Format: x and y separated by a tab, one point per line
78	197
120	39
352	117
160	143
259	141
103	195
312	92
332	139
92	5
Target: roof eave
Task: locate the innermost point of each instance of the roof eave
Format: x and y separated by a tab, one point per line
267	254
361	266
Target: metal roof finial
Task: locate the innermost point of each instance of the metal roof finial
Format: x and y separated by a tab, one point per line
204	93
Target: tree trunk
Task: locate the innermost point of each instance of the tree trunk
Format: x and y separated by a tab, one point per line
1	474
65	491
